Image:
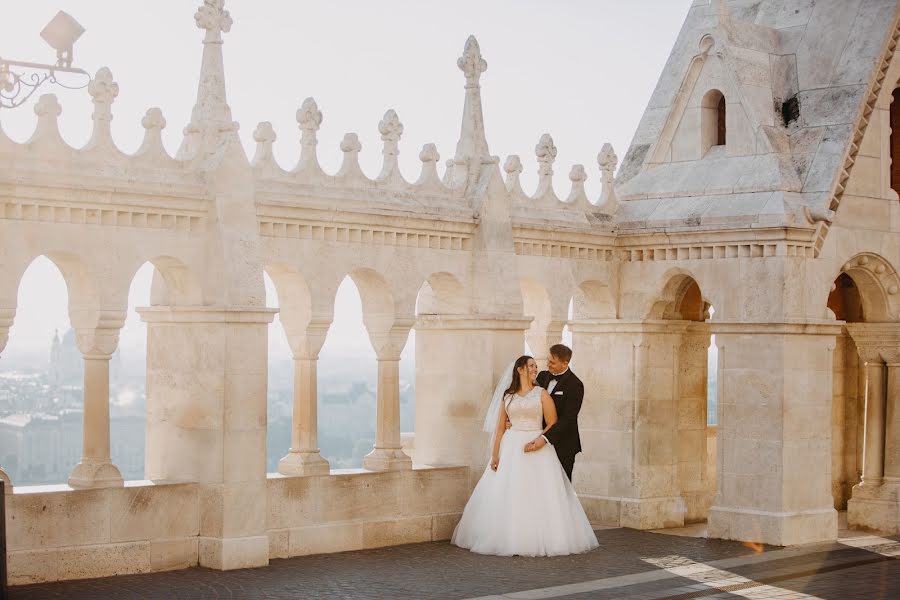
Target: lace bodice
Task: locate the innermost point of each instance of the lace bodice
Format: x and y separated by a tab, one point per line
525	412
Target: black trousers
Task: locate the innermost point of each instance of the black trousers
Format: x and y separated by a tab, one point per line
568	463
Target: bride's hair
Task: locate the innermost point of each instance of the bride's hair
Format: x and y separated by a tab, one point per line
516	384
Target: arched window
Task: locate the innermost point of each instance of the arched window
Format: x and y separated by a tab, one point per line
720	120
712	121
895	141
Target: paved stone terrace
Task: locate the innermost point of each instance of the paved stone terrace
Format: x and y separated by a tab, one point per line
628	565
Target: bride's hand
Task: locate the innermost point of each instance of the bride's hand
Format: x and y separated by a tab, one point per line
495	462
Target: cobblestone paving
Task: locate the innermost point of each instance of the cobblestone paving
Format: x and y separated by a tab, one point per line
439	570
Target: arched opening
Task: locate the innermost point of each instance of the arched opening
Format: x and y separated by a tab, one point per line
128	382
865	460
347	383
41	382
895	140
280	389
853	298
720	122
682	302
544	330
713	121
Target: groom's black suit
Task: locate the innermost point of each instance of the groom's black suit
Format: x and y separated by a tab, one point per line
567	394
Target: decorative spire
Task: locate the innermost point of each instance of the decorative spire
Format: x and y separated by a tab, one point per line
309	119
211	115
577	197
350	169
47	109
513	168
103	91
472	148
429	176
391	129
545	150
264	136
152	147
607	161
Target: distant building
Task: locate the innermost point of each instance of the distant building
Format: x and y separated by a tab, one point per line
67	365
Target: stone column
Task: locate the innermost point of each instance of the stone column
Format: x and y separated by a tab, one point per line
873	450
774	433
875	501
206	421
304	457
96	469
628	472
892	426
388	455
459	359
6	321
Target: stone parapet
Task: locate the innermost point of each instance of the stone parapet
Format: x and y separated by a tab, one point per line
56	533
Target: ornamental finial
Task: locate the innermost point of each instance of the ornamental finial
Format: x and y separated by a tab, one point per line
309	117
390	127
546	155
102	88
607	161
471	63
213	17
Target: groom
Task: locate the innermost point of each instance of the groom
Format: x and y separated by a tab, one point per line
567	392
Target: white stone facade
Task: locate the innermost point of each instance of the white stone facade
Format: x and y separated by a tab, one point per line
790	230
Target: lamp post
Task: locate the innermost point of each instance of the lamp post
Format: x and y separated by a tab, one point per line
19	80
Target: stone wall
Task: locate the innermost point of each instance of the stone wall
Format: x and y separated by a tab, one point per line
56	533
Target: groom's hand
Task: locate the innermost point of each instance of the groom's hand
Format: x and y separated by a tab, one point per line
508	424
535	444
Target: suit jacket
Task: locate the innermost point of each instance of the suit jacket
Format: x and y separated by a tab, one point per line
567	395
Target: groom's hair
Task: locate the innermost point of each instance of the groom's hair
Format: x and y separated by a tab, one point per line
562	352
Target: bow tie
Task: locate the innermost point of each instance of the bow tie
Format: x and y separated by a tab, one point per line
555	377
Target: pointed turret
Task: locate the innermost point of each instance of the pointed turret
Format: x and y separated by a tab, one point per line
472	148
211	116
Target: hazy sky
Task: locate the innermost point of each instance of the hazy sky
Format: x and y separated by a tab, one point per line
581	70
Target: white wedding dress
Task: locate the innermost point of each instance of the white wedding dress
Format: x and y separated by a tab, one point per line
528	506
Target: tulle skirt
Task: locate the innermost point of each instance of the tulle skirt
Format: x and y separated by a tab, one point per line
528	507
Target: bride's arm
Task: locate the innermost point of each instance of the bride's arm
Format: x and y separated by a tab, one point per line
550	418
549	407
498	435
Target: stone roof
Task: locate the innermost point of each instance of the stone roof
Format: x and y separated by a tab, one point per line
822	54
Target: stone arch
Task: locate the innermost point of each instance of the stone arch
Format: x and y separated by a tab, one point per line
680	299
546	327
864	294
441	293
877	284
712	120
174	283
593	299
294	298
81	284
536	302
379	310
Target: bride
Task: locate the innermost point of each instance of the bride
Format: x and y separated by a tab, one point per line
523	504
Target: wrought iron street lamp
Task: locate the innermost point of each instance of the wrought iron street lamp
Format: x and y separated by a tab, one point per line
19	80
